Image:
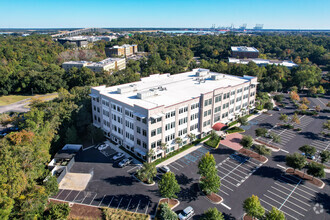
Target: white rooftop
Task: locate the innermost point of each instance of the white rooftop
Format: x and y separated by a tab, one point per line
101	63
258	61
124	46
165	89
244	49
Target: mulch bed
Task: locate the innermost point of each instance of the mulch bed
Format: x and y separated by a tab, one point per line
253	154
214	198
247	217
268	145
144	181
305	177
326	167
171	202
79	211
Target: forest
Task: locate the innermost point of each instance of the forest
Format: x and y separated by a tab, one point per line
33	63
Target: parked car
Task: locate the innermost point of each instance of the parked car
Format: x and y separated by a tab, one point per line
164	169
103	146
125	162
118	156
311	157
276	108
187	213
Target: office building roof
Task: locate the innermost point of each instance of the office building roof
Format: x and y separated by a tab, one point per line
263	62
244	49
165	89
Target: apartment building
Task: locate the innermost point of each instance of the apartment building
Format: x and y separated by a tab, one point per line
78	41
108	64
244	52
124	50
162	109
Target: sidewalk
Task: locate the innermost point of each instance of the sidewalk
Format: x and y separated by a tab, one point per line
182	154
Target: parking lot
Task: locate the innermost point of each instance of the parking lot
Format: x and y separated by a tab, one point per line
321	144
290	195
234	172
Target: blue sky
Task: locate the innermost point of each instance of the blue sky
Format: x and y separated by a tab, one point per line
297	14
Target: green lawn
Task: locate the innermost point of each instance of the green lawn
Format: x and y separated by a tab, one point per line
235	130
9	99
214	143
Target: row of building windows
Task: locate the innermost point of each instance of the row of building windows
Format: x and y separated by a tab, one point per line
153	120
208	122
129	124
105	102
182	132
208	102
218	98
144	144
169	137
129	113
169	126
182	110
194	116
208	112
217	109
156	131
129	136
183	120
117	118
193	127
170	114
106	113
193	106
117	108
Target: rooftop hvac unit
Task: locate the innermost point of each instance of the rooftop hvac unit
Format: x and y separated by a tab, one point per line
202	73
217	77
148	93
125	89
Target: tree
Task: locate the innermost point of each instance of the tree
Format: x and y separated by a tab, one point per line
6	206
279	98
253	208
275	138
308	150
95	134
151	154
320	90
192	137
275	214
243	121
57	211
305	101
165	213
214	135
147	172
262	150
213	214
318	108
294	89
326	125
268	106
51	185
313	90
325	156
247	141
261	132
303	107
178	140
168	186
164	148
295	160
295	119
283	117
206	163
316	170
294	96
71	135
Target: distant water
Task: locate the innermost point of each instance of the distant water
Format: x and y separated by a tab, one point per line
189	32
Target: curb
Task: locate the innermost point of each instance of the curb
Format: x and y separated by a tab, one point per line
320	187
152	184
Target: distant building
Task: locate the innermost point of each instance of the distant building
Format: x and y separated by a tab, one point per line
98	38
244	52
163	108
262	62
124	50
78	41
104	65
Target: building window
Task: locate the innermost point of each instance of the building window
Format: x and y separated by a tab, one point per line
218	98
138	141
144	132
153	132
217	109
144	145
138	130
153	144
159	130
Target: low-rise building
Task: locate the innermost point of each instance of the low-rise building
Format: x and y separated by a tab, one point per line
124	50
244	52
161	109
78	41
262	62
108	64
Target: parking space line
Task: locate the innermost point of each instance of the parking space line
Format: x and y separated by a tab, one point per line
232	170
225	206
276	207
229	170
272	199
234	179
111	201
227	187
147	207
59	194
224	192
133	168
93	199
137	205
230	182
128	204
287	200
84	199
67	195
309	188
76	196
291	196
178	163
173	166
285	151
295	192
119	202
101	201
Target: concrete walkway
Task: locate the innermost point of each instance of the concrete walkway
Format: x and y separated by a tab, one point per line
182	154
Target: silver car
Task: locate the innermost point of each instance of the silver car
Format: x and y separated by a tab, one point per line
118	156
187	213
125	162
164	169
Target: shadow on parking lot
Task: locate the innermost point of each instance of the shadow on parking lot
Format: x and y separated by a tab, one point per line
228	216
189	194
223	150
309	135
92	156
121	180
269	172
322	199
183	179
266	125
279	158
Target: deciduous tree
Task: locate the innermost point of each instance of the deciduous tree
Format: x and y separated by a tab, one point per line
253	208
296	161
